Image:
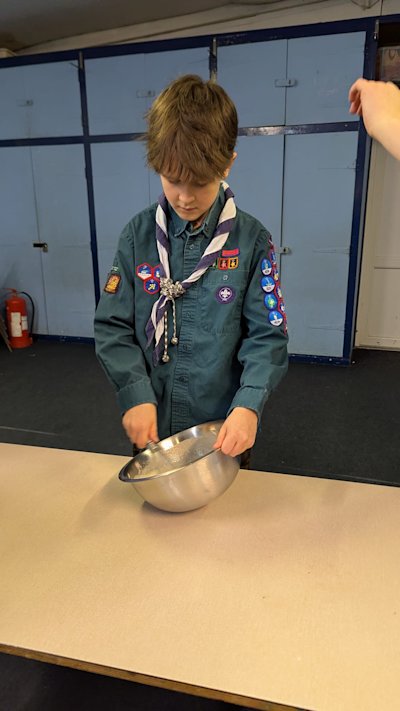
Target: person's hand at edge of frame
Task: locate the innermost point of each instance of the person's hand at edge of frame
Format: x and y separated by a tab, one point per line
378	103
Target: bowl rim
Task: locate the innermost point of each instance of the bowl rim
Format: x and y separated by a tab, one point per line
182	436
124	476
152	477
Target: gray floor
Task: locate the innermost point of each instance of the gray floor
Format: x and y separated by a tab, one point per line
323	421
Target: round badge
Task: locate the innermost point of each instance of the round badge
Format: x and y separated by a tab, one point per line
267	284
275	318
225	294
270	301
266	267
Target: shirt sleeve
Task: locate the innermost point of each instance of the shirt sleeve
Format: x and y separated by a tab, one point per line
263	350
116	346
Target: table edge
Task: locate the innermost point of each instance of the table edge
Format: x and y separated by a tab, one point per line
146	679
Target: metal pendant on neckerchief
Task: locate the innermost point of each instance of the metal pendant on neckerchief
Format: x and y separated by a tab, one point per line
157	325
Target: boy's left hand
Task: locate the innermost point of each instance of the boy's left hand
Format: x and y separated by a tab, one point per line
238	432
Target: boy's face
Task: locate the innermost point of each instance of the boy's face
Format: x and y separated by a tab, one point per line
191	201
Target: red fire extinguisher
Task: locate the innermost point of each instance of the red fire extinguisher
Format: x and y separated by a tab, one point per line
17	320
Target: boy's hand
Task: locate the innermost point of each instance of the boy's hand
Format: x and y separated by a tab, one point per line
238	432
140	424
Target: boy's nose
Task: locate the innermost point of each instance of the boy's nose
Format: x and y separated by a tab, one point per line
185	198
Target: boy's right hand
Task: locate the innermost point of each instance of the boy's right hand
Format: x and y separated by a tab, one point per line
140	424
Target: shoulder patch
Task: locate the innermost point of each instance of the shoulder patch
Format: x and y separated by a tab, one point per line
112	283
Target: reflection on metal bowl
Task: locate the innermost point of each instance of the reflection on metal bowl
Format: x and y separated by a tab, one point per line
182	472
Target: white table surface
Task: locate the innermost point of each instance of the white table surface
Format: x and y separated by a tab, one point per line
282	593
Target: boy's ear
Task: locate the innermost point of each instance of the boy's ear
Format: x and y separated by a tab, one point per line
227	171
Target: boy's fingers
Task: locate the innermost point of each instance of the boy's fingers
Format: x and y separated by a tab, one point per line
141	441
228	444
154	434
220	438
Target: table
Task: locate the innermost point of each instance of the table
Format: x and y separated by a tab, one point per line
282	594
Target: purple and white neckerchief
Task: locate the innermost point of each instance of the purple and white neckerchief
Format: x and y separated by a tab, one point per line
157	324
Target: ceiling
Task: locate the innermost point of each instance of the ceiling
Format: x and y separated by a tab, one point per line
25	23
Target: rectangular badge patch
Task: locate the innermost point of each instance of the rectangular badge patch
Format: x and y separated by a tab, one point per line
112	284
230	252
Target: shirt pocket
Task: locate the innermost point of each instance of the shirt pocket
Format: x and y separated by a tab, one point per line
221	300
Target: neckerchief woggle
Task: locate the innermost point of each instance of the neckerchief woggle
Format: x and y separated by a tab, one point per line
157	325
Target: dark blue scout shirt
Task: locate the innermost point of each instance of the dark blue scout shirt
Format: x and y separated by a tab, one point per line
230	353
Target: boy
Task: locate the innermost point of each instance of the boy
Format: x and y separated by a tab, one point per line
191	325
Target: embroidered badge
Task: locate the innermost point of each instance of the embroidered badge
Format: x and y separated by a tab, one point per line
266	267
275	318
228	263
270	301
150	277
151	286
223	263
112	283
230	252
267	284
271	285
225	294
144	271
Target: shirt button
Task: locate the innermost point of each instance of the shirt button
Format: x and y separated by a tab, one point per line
191	246
182	378
186	348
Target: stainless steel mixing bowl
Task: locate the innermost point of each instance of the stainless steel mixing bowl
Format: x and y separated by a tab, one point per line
183	472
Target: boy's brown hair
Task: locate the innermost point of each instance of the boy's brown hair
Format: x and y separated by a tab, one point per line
192	130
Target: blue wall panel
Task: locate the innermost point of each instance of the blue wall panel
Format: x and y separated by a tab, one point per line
121	89
163	67
121	189
63	222
40	100
248	73
116	94
20	262
324	69
256	179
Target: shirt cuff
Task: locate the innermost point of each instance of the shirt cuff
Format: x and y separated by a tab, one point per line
252	398
136	394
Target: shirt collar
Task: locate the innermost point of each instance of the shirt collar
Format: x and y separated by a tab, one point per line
178	226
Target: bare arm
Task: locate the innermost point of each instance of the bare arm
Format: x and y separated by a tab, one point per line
378	103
